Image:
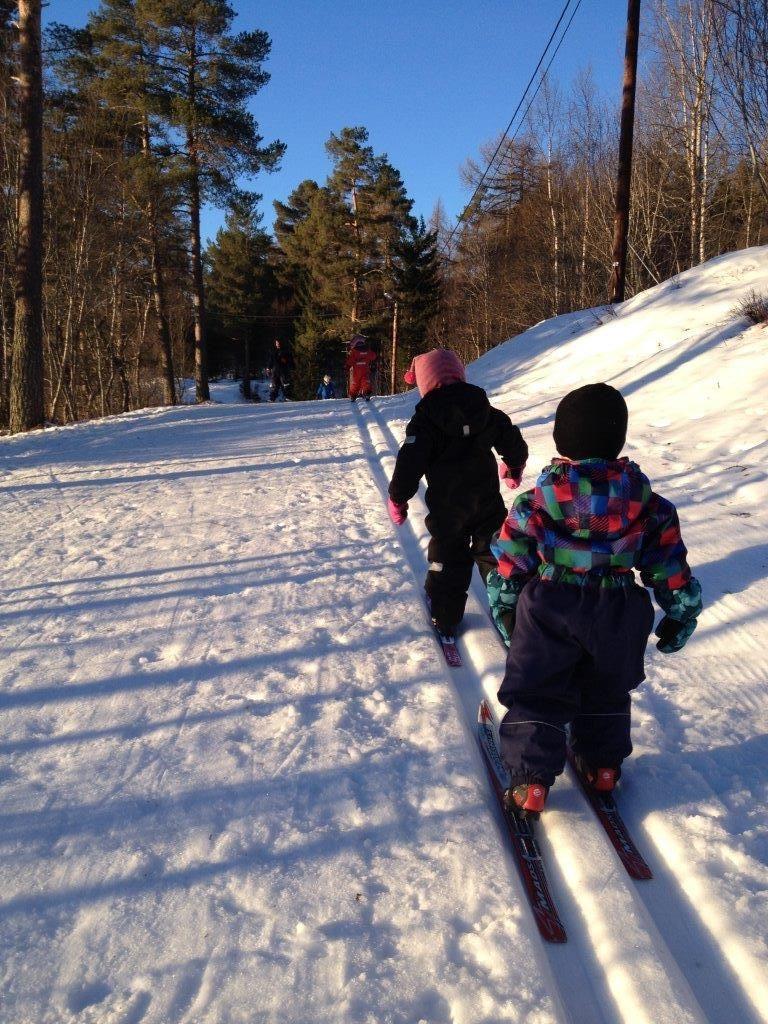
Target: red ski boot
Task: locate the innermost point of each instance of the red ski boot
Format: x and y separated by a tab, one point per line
527	799
603	780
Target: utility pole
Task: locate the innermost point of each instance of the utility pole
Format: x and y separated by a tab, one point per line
27	386
392	383
623	181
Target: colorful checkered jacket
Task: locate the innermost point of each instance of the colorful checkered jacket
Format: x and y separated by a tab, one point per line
594	521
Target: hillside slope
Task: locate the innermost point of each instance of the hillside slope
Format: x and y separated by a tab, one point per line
237	781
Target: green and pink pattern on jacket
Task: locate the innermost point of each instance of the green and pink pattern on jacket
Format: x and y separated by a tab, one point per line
594	520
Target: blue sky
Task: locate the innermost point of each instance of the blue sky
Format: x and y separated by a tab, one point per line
430	80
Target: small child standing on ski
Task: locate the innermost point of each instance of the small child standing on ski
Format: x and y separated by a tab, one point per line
326	388
450	440
564	597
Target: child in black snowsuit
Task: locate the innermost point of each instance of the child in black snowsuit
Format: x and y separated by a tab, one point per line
565	590
450	440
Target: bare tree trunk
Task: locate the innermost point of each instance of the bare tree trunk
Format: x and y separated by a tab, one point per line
703	192
158	285
202	392
751	199
27	381
584	236
555	237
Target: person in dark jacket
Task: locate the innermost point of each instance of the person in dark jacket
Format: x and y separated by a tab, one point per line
281	370
564	595
451	440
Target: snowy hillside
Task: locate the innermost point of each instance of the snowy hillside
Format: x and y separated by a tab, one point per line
238	782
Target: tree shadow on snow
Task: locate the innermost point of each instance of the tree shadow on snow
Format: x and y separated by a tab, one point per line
195	673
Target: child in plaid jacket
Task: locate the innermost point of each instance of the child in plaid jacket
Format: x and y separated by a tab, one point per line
565	599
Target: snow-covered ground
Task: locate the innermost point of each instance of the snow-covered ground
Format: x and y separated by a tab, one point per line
238	782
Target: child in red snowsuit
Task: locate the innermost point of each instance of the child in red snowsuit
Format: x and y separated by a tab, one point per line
359	365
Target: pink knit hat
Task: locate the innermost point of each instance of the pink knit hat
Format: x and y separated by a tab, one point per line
434	370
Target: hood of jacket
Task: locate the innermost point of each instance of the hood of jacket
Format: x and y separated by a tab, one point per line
458	410
434	369
593	499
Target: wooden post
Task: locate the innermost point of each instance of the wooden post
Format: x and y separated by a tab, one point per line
623	181
393	374
27	398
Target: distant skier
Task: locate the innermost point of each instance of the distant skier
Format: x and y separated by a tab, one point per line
281	370
326	389
450	440
564	596
359	364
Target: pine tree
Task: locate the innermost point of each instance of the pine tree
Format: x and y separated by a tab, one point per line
417	287
350	184
210	74
316	268
114	60
344	246
240	278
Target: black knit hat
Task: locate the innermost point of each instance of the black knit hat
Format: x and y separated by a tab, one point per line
591	423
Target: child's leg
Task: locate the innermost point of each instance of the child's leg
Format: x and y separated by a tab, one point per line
622	621
448	576
481	552
538	687
600	731
482	535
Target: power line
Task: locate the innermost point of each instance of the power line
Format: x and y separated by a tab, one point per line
267	318
544	76
503	138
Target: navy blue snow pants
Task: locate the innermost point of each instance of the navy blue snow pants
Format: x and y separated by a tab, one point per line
576	653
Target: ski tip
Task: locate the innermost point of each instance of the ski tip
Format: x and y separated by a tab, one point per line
639	871
484	713
553	932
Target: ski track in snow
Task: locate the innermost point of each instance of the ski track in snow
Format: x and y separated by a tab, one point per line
237	780
641	973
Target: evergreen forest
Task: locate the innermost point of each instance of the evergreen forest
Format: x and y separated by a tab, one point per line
111	299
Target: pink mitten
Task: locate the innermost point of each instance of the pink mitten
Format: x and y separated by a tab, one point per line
511	477
397	513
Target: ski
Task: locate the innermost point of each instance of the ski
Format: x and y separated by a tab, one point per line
607	812
447	643
449	649
521	834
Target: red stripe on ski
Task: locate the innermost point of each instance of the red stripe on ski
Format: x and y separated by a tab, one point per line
608	814
524	846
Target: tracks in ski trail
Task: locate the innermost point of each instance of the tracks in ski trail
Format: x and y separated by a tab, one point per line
628	959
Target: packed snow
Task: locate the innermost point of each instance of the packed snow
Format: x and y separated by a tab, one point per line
238	782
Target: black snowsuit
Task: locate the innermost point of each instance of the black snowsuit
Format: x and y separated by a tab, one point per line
281	371
450	440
